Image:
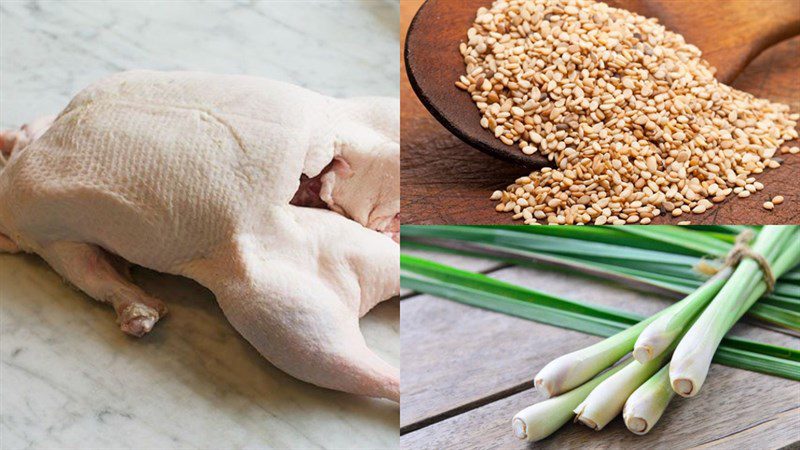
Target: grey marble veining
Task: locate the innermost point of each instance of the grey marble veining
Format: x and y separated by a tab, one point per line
49	50
68	377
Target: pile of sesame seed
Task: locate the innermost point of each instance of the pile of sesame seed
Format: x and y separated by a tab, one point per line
629	114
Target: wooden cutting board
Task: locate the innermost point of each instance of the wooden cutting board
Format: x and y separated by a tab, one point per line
447	182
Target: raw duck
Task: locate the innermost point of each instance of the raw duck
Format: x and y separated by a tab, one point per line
281	201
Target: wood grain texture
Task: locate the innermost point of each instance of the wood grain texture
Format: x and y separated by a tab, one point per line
467	371
433	64
743	420
448	182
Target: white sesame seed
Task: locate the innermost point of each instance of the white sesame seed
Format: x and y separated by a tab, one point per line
627	112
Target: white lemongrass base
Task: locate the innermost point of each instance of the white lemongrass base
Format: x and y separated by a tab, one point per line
606	401
574	369
669	325
542	419
646	405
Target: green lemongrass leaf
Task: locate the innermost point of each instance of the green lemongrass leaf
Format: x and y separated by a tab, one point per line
621	236
510	306
785	294
782	301
792	275
684	272
601	271
699	241
424	272
683	267
787	291
727	230
776	315
549	244
608	235
488	293
783	297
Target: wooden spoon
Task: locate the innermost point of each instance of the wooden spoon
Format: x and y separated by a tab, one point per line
729	33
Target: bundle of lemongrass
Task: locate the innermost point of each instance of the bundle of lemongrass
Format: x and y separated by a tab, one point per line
671	350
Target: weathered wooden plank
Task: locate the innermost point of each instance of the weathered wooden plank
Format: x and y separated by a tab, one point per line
737	409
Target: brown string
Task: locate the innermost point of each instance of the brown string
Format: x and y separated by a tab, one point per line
741	249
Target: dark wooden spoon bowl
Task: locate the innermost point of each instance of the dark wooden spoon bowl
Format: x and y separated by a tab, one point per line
730	33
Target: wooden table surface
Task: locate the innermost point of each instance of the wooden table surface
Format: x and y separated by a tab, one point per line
467	371
447	182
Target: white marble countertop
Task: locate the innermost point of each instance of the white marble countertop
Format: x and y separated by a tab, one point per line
51	49
69	378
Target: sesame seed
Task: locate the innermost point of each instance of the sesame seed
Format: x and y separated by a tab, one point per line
630	115
768	205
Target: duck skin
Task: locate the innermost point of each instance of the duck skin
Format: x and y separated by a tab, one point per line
281	201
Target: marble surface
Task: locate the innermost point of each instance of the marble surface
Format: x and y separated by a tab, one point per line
68	377
51	49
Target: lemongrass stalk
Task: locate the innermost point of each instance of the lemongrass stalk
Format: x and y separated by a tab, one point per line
542	419
647	403
663	331
607	400
692	357
573	369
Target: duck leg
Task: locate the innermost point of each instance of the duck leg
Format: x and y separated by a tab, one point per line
301	310
90	270
12	140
